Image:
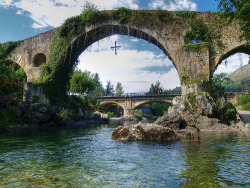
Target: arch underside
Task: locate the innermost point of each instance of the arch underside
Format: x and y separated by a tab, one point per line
103	104
96	34
239	49
151	101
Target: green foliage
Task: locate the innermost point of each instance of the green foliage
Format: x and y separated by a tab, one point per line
12	81
176	90
217	81
246	107
187	105
238	9
155	18
193	78
185	14
9	117
154	89
6	48
55	75
136	113
123	15
82	82
196	46
111	114
198	37
109	90
244	99
35	98
157	108
192	100
65	113
119	89
225	111
199	32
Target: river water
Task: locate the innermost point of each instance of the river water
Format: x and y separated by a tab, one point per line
88	157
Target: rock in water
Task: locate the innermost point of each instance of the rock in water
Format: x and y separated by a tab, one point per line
148	132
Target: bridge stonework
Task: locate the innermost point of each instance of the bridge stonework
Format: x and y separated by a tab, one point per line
33	52
129	103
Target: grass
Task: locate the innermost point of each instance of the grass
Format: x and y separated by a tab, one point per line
245	107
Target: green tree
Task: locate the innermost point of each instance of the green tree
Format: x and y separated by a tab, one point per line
12	81
217	81
238	9
109	90
82	82
155	88
119	89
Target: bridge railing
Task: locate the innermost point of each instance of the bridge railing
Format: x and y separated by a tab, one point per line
133	94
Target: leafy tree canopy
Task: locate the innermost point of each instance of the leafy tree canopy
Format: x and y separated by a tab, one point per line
119	89
82	82
109	90
217	81
155	88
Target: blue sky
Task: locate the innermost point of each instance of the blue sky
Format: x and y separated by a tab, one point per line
138	63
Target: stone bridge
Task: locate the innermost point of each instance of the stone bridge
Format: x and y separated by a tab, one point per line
132	102
195	67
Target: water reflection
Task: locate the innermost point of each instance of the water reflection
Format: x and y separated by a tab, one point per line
87	157
219	160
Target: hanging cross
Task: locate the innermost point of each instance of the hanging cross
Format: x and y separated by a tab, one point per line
115	47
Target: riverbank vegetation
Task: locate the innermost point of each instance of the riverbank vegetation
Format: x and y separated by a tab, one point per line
244	102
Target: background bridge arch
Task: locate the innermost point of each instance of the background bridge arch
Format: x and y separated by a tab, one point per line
141	103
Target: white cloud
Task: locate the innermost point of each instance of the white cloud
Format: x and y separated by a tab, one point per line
53	13
19	12
233	63
174	5
125	67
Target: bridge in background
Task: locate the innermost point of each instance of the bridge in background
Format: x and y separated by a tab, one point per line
132	101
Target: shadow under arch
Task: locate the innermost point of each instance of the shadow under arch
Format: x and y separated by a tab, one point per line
104	104
151	101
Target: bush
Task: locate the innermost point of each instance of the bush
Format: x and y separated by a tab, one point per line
244	99
65	113
111	114
124	14
246	107
136	113
35	98
9	117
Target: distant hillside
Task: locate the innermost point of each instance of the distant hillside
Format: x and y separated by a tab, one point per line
240	73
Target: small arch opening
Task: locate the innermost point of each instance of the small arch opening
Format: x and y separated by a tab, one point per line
39	59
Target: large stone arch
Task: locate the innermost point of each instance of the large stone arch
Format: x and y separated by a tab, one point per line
194	67
107	29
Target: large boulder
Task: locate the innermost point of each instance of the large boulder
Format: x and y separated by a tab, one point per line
199	111
148	132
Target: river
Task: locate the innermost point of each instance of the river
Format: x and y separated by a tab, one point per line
88	157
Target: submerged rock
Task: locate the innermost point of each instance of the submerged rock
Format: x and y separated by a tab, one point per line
149	132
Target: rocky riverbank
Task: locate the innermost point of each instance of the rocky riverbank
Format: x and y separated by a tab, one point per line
188	115
38	115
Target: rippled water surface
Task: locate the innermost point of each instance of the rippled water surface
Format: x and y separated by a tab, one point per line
87	157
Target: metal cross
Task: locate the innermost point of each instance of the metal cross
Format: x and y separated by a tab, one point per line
115	47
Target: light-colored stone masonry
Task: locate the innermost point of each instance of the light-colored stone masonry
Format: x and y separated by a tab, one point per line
32	52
